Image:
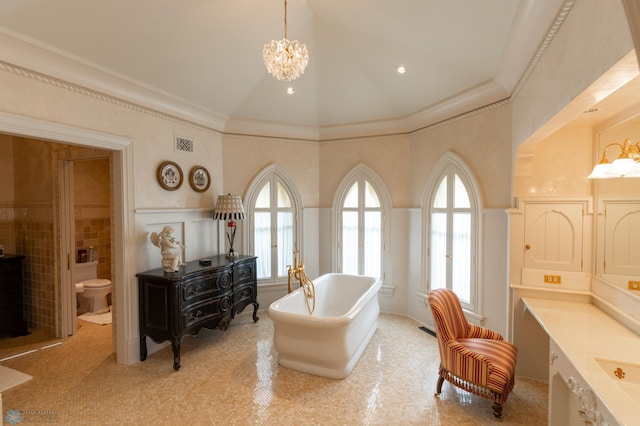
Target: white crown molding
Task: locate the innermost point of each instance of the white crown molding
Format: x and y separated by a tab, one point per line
31	59
470	101
561	16
526	37
270	130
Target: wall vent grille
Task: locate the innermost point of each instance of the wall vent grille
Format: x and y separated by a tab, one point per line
183	144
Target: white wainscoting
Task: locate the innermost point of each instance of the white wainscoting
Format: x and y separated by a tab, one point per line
195	228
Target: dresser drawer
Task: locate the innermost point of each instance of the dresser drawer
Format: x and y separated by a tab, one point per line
206	286
244	273
244	292
207	311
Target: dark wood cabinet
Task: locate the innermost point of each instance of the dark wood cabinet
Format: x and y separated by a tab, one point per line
173	304
11	308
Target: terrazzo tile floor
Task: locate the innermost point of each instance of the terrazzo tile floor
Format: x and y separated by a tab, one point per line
233	378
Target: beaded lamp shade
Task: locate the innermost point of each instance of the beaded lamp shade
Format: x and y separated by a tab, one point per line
229	207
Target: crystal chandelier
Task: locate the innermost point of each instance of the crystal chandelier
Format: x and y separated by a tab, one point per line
285	60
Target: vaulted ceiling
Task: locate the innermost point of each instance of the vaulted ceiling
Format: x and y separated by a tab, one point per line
459	54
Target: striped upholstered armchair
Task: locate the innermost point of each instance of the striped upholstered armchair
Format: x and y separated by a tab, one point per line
472	357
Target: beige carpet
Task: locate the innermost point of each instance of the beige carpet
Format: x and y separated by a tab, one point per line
10	378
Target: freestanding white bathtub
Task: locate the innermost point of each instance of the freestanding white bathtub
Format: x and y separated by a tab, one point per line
329	342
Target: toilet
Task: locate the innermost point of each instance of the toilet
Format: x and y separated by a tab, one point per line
91	291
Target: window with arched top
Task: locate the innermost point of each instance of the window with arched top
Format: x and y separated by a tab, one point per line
452	231
274	224
361	207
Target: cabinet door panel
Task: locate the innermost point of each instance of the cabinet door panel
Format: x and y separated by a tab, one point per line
553	236
622	238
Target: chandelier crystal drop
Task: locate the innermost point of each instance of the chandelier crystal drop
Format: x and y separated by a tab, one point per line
285	60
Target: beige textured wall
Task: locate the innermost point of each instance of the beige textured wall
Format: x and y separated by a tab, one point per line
559	166
403	162
91	182
152	135
482	140
387	156
246	156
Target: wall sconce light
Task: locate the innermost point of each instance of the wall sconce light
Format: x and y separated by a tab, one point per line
627	164
229	207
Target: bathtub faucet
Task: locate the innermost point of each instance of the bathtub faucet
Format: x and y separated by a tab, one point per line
299	274
296	271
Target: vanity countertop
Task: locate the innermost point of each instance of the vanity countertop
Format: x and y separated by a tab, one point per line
583	333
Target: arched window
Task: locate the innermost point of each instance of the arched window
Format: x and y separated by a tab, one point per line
452	231
361	207
274	223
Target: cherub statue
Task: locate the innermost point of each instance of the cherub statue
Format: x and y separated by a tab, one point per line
167	243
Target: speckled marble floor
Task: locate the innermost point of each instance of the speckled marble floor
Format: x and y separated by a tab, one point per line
233	378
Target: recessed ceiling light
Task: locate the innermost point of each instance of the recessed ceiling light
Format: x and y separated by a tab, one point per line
401	69
291	90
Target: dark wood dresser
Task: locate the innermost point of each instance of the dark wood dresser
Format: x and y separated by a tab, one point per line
11	309
173	304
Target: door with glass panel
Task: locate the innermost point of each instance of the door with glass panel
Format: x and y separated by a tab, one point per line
451	237
273	231
361	230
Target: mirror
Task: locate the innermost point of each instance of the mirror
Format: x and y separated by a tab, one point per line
617	212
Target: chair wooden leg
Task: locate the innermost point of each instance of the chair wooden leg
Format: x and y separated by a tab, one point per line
439	385
497	410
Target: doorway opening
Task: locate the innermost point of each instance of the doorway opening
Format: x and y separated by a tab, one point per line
86	232
46	245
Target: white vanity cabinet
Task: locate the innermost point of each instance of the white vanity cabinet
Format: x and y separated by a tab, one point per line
571	400
583	389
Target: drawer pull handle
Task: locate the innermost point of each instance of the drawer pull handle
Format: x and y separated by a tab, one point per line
196	315
194	290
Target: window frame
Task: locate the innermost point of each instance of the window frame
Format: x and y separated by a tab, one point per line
362	173
273	174
451	164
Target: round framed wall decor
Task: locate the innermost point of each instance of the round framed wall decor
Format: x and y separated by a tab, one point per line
199	179
170	176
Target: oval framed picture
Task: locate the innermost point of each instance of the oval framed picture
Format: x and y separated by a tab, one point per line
170	176
199	179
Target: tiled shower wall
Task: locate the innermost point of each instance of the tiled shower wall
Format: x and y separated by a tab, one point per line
92	210
34	239
7	229
96	232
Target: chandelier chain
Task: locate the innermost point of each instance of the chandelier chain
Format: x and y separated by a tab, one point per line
285	19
